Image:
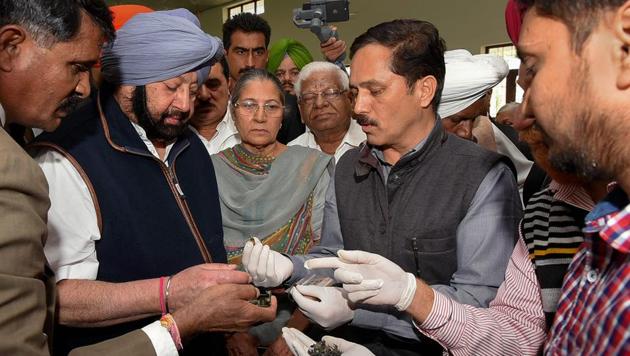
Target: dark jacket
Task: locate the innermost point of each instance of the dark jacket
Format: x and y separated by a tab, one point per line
155	220
413	219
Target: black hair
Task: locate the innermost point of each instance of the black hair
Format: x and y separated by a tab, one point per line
580	16
418	50
55	21
225	68
247	23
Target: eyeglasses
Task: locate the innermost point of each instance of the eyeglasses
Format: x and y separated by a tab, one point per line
328	95
250	107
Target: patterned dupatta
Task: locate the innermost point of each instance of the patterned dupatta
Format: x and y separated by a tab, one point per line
270	198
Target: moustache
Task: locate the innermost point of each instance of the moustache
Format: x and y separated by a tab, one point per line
531	135
288	83
178	114
243	70
204	104
364	120
534	136
70	104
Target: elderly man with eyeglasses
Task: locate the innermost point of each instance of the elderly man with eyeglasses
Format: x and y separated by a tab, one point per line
324	102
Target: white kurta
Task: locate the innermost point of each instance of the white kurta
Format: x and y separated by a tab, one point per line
226	136
509	149
353	138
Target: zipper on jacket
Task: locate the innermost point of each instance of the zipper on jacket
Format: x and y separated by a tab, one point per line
171	178
180	198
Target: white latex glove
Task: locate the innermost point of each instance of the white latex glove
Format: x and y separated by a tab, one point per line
347	348
267	267
297	341
300	343
330	308
370	278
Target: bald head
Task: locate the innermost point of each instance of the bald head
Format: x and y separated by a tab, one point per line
508	113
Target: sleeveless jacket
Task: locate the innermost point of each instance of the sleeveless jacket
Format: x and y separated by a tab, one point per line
413	219
155	219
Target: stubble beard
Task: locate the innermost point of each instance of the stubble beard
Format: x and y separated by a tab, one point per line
592	148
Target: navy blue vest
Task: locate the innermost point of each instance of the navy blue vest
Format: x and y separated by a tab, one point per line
155	220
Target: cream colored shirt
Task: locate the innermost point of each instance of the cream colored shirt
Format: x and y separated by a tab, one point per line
226	136
73	229
353	138
72	222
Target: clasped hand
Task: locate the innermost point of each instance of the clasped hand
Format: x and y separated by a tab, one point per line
267	267
327	306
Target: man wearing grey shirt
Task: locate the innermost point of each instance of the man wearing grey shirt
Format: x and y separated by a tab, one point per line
442	208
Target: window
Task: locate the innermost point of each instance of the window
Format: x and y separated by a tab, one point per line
255	7
507	91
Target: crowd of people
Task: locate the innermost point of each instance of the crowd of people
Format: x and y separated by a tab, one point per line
197	195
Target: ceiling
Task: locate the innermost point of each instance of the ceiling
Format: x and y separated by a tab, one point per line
195	6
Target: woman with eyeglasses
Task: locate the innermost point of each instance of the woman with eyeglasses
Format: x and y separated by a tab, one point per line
268	190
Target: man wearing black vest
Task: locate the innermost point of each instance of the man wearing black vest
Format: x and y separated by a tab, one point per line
443	208
135	225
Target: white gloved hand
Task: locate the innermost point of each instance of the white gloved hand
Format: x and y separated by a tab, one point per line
370	278
297	341
267	267
300	343
331	308
347	348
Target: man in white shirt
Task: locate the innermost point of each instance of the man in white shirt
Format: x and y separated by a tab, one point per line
212	121
465	104
324	101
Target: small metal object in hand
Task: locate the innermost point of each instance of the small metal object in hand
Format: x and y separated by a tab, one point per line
322	349
316	280
313	280
264	298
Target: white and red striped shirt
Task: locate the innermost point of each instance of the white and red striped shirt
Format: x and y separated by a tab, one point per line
513	324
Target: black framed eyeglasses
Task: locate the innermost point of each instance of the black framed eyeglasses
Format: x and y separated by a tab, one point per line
328	95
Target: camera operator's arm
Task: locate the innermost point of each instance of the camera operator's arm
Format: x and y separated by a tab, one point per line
333	49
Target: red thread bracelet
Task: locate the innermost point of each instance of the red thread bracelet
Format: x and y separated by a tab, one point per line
169	323
162	302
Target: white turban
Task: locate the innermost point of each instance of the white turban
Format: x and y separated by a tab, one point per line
468	78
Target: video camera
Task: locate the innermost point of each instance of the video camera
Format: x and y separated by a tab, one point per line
315	14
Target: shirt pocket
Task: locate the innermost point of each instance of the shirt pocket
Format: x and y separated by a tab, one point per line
435	255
